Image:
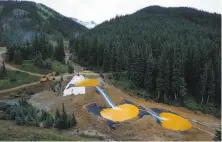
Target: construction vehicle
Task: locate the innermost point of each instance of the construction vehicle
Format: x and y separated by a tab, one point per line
48	77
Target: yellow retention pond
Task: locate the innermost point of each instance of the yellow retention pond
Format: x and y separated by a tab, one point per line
120	113
88	82
175	122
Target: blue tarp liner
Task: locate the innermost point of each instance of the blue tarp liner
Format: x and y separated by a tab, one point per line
128	101
142	113
158	110
110	124
94	109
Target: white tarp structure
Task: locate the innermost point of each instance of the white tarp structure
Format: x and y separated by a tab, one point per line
71	90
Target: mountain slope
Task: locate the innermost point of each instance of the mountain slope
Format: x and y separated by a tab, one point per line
89	25
170	52
21	20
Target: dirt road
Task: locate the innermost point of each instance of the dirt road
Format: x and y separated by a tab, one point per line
13	68
65	77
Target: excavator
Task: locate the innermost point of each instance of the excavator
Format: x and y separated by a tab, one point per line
48	77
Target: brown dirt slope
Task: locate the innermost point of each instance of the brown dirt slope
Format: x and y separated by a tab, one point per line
139	129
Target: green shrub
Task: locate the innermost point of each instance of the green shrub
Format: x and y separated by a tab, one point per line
64	120
59	67
217	136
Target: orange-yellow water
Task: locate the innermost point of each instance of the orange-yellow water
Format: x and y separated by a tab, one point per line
120	113
128	111
175	122
88	82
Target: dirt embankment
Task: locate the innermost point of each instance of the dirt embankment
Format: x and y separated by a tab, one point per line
139	129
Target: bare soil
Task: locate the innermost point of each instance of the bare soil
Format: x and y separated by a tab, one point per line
140	129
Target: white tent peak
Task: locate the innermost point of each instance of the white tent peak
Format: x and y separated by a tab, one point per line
70	88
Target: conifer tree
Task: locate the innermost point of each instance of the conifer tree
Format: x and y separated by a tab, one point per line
49	121
64	118
59	51
106	60
3	71
217	136
182	89
148	79
210	85
17	57
73	120
70	67
58	120
203	83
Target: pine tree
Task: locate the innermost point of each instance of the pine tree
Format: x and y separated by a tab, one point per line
163	77
64	117
36	122
58	120
166	80
148	79
176	74
57	115
61	120
35	44
137	69
38	61
69	123
50	51
99	55
210	85
203	83
160	79
182	89
217	136
47	63
106	59
29	119
35	117
3	71
70	67
17	57
113	58
130	64
59	51
73	120
49	121
44	115
93	53
10	52
118	69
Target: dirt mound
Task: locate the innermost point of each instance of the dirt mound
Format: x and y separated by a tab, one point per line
140	129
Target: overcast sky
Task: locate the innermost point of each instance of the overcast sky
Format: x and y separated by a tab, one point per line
101	10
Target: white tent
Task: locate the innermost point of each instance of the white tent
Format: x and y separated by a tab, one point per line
71	89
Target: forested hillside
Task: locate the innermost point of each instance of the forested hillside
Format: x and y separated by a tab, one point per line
170	52
21	20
